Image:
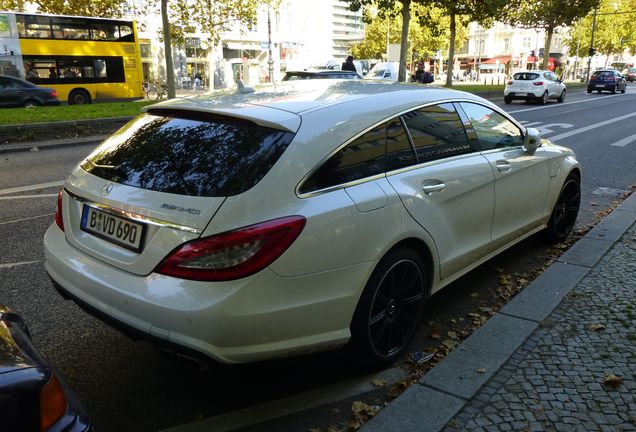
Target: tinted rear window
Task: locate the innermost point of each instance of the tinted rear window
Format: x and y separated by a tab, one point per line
602	74
525	76
189	154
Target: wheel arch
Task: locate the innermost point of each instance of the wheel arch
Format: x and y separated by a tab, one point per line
420	247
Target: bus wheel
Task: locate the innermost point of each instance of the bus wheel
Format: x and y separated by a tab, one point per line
79	97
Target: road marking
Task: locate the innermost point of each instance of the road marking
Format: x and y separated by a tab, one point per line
625	141
544	129
30	187
28	196
559	104
590	127
10	265
27	219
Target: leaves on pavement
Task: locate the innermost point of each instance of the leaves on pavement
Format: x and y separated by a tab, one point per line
596	327
612	381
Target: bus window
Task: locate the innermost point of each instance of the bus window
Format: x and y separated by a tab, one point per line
126	33
105	31
75	29
34	27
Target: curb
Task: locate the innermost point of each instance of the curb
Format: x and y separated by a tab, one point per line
430	404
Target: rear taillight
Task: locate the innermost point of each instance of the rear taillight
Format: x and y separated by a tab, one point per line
538	83
52	403
611	79
59	219
509	82
53	93
233	254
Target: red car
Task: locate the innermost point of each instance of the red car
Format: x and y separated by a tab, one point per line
630	74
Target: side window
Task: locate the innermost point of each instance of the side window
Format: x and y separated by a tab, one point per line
493	129
437	132
364	157
399	152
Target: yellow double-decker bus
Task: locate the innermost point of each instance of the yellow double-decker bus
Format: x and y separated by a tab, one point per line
85	59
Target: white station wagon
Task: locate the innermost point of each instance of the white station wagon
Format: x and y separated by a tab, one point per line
300	217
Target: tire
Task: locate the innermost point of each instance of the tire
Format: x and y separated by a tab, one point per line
614	89
31	103
565	210
589	90
599	91
390	308
79	97
507	100
624	88
544	98
562	97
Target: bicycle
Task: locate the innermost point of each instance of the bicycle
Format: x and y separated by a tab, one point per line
154	94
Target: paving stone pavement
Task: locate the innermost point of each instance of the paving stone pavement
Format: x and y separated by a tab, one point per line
555	380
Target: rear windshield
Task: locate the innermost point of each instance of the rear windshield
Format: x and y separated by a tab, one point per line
525	76
189	154
602	74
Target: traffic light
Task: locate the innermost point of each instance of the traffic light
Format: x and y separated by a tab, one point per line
591	52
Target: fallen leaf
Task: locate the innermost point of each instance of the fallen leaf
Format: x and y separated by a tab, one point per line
481	370
452	334
503	280
378	383
450	344
612	381
474	295
596	327
434	334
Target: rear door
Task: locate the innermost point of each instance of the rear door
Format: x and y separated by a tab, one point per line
521	179
449	190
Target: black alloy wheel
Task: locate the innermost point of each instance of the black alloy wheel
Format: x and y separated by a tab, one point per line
390	307
565	211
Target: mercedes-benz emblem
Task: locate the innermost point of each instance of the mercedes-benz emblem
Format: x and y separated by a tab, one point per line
106	189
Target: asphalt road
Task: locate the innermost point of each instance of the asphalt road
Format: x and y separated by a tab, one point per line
129	386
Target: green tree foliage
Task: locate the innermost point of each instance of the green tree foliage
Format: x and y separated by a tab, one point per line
387	9
548	15
462	12
92	8
614	32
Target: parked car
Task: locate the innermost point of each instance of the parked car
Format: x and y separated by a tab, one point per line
32	395
535	85
607	79
15	92
630	74
320	74
300	217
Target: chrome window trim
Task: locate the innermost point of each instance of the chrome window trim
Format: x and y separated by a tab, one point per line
133	216
386	173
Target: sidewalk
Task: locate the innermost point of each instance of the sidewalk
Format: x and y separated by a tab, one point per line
561	356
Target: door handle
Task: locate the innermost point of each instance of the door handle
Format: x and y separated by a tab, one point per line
436	187
503	166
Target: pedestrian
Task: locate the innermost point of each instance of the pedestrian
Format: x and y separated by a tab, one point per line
348	65
197	81
419	73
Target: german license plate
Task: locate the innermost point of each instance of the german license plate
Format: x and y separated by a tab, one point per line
521	94
599	85
114	229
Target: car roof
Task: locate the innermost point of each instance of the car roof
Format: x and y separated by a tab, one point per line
281	105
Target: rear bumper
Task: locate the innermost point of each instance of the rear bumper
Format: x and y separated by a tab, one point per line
609	87
523	95
255	318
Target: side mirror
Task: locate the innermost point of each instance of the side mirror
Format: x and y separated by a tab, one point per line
532	140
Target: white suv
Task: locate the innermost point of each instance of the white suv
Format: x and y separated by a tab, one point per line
535	85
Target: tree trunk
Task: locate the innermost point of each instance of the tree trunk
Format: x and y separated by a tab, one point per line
406	19
549	32
167	46
451	50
